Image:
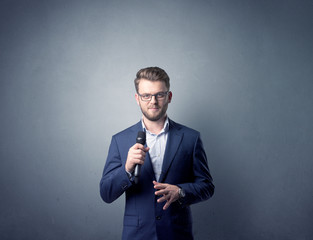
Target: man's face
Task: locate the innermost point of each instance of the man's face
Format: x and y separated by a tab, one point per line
155	109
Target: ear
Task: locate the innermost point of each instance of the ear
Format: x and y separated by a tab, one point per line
137	98
170	95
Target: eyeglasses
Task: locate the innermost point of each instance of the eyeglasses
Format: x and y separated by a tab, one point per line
148	97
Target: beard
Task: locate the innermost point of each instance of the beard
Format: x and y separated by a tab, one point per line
157	116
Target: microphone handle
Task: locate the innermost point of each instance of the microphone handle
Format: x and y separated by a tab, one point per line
137	173
141	138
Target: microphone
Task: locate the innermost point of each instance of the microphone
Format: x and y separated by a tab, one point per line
141	138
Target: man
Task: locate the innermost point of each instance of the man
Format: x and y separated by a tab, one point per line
174	170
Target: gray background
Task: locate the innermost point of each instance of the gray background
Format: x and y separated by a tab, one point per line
241	74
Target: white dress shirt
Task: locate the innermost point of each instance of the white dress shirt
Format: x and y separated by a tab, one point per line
157	144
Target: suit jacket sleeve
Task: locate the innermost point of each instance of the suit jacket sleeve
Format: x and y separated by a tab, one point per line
201	188
114	179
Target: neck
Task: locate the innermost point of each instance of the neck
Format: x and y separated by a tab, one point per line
154	127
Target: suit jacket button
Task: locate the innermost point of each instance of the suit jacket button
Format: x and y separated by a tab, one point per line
158	217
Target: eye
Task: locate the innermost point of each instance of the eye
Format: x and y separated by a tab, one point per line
161	95
146	96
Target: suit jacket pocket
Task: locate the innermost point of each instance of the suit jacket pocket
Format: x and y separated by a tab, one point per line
130	220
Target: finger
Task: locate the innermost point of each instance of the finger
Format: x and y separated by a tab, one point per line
161	192
134	155
140	162
162	199
159	185
167	204
139	155
139	146
136	159
138	151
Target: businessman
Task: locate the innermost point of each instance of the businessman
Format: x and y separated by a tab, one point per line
174	172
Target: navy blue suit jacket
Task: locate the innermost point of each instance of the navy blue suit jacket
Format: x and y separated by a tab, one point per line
184	164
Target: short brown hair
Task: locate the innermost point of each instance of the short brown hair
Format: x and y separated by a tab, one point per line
152	74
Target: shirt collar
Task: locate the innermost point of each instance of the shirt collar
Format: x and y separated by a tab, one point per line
165	127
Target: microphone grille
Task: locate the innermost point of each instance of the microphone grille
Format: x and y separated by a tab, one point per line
141	138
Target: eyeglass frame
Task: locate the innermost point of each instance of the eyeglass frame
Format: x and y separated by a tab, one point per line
153	95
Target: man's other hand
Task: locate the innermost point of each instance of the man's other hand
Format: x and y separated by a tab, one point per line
169	193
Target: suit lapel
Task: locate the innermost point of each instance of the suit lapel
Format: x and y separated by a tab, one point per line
174	139
148	166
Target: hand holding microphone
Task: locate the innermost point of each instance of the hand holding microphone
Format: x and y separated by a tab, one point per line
136	156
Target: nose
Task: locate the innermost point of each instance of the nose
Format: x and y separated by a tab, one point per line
153	99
